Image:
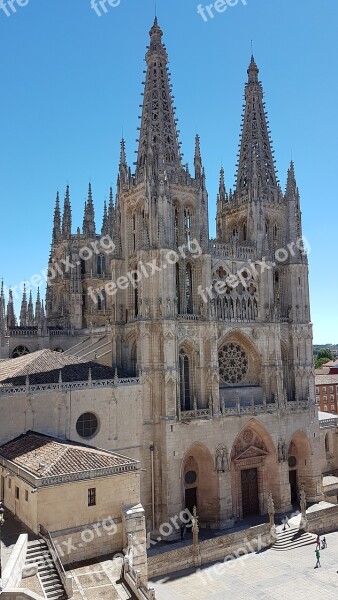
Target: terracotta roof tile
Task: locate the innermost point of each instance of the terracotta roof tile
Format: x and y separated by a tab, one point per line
46	457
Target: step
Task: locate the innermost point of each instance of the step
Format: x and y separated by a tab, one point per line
51	587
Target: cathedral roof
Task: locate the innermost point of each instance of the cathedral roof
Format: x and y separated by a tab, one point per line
44	366
43	456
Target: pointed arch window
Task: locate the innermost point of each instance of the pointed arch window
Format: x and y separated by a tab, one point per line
185	383
187	225
133	361
176	226
134	232
101	264
178	295
136	298
188	290
101	300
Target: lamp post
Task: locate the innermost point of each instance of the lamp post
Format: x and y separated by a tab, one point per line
2	520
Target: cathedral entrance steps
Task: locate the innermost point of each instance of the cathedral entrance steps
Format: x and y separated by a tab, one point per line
293	538
38	553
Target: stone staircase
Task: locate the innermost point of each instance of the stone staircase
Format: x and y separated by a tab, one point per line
37	552
293	538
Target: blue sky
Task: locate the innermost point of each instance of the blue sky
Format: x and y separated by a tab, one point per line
71	82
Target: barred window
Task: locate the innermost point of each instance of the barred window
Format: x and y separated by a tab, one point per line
92	497
87	425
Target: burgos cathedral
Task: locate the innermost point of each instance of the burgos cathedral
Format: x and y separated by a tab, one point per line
192	355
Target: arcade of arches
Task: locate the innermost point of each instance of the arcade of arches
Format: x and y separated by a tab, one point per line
233	483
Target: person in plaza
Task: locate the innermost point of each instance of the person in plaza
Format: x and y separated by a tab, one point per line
318	542
324	543
318	559
286	522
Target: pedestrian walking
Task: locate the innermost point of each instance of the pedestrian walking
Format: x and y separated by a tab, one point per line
286	522
324	544
318	542
318	559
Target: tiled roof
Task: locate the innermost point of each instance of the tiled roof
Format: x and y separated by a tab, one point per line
326	379
44	366
43	456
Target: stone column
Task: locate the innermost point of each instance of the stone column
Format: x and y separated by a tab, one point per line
135	539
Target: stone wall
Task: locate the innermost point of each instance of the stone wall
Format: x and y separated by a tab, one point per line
323	521
215	549
12	573
19	594
89	541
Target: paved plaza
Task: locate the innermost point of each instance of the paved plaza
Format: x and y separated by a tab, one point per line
269	575
98	581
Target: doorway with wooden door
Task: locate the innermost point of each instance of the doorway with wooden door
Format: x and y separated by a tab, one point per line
250	501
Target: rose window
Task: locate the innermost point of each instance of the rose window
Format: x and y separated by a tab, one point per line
233	364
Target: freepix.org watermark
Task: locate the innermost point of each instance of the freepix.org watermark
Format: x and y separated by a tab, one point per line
101	7
145	270
104	245
253	269
220	6
10	7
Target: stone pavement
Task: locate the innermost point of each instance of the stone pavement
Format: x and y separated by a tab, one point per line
268	575
97	581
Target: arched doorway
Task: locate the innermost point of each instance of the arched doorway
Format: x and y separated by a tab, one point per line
200	484
253	471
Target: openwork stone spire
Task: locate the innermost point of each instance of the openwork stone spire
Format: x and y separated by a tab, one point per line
256	163
11	318
89	215
30	311
23	312
37	309
57	220
158	142
2	310
67	216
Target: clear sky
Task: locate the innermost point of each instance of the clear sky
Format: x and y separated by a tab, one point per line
71	82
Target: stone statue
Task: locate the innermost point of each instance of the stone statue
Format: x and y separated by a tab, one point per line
271	510
302	501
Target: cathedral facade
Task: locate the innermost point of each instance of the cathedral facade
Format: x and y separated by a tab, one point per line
216	331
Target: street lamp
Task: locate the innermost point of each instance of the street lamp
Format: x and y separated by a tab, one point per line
2	521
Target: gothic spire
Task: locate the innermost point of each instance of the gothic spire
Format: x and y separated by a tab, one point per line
89	214
2	310
57	220
223	197
11	318
292	198
111	212
105	223
37	309
198	158
30	311
255	161
158	142
67	216
123	167
23	311
291	192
